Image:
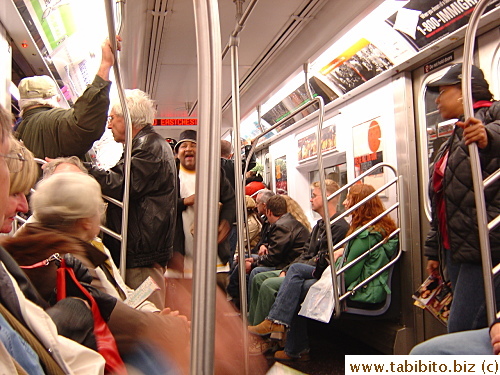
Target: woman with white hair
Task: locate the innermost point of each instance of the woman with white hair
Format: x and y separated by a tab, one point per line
68	208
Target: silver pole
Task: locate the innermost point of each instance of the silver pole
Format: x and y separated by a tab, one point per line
477	178
128	137
207	186
239	188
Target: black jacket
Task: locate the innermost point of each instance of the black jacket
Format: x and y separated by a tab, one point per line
459	196
286	240
153	197
317	240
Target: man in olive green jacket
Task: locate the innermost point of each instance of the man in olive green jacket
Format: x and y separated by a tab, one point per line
49	131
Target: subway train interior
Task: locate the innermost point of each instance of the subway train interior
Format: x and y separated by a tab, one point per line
369	60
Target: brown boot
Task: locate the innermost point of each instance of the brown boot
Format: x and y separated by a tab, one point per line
280	355
277	331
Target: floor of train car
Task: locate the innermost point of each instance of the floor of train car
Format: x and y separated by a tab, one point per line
328	350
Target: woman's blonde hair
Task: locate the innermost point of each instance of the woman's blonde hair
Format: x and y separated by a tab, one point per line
63	198
24	180
368	210
297	211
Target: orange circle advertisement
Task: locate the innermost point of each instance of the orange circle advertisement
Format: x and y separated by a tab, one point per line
374	135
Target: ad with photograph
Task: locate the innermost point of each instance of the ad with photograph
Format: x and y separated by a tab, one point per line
368	151
356	65
280	175
307	148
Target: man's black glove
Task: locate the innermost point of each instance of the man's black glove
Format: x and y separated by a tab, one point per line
105	302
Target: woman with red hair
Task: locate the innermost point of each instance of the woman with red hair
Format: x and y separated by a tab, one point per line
282	315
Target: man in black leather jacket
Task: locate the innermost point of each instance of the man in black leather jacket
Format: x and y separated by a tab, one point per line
153	195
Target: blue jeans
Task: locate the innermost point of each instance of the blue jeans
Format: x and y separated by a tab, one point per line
467	308
475	342
289	295
297	339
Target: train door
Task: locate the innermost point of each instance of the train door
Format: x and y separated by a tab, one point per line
432	131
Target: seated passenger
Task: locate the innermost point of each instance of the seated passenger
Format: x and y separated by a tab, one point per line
283	313
22	318
22	179
286	239
265	285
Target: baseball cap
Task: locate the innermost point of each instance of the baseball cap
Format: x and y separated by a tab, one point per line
186	135
454	76
42	87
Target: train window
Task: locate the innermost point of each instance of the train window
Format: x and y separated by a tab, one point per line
337	173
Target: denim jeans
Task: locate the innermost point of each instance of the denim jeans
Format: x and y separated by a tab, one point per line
297	339
289	295
467	308
19	349
475	342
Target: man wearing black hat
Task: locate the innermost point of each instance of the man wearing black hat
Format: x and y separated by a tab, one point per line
453	238
186	152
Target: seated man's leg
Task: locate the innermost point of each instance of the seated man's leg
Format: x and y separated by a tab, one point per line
233	286
265	298
254	272
475	342
289	295
255	290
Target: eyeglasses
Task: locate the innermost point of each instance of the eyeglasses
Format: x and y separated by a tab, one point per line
15	161
110	118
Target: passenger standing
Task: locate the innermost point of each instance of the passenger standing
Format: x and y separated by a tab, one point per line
153	195
452	243
186	152
227	163
49	131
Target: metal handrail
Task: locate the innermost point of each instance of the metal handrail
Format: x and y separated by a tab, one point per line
331	249
476	171
128	132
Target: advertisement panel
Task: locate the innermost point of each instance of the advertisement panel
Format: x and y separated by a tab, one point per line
423	22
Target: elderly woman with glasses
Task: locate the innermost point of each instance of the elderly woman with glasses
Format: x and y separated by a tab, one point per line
23	175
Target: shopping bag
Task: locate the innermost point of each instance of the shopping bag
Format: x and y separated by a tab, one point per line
319	301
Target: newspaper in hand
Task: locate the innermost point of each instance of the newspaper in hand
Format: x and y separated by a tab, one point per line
142	293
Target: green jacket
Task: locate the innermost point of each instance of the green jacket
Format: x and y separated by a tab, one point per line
55	132
376	290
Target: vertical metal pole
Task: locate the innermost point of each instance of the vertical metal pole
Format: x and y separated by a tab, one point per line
322	183
128	137
476	171
239	187
207	186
